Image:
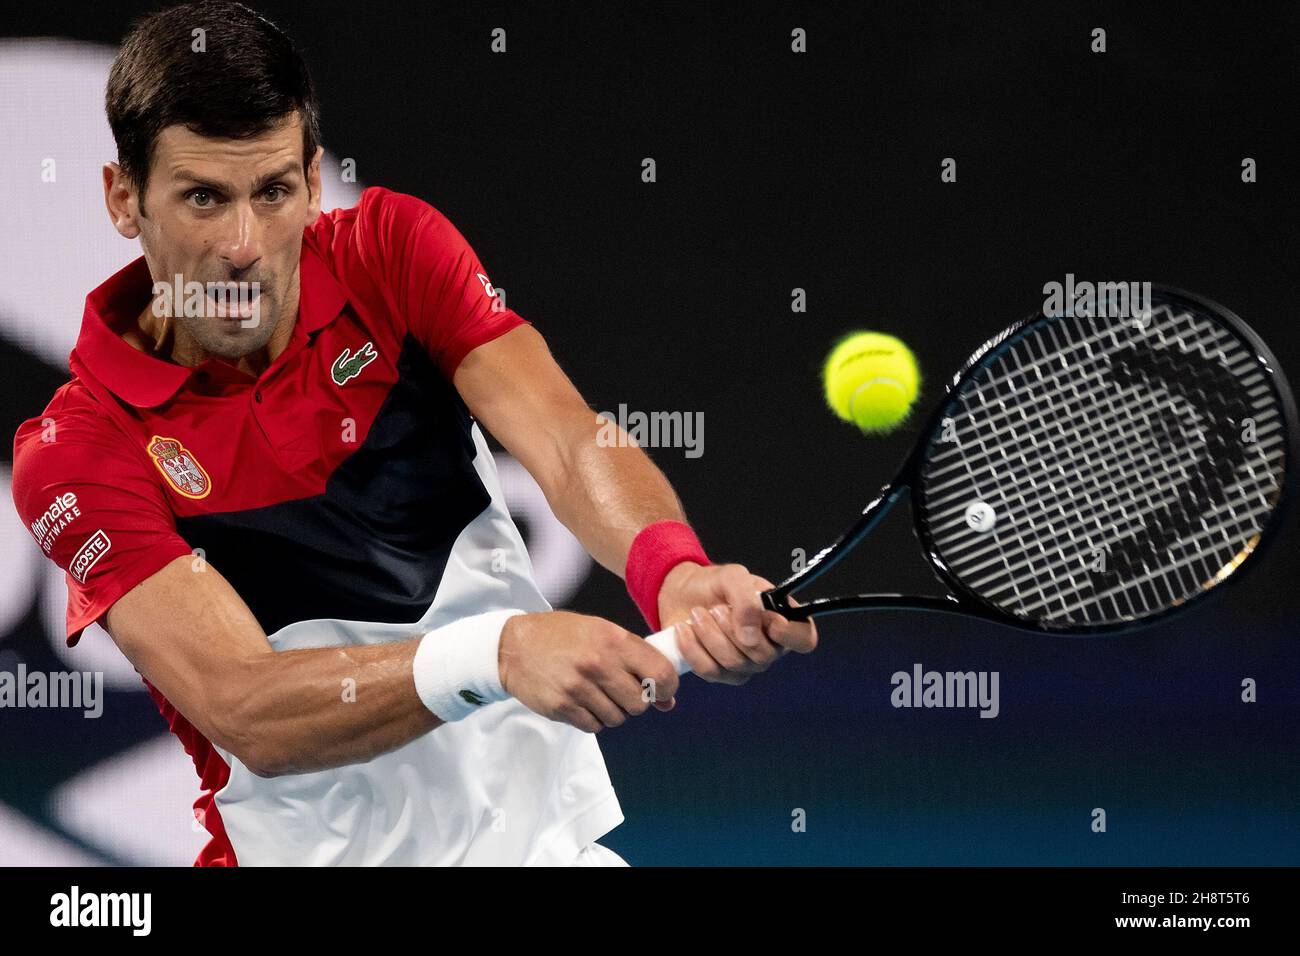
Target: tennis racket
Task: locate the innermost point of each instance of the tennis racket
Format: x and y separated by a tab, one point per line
1087	474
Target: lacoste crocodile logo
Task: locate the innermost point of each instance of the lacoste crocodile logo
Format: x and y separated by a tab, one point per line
348	366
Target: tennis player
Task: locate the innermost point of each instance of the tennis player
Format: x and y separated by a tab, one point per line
282	508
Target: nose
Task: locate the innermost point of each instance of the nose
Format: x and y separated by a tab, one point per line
242	246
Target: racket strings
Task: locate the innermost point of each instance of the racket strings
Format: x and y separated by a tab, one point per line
1217	392
1086	460
1079	459
1072	477
1071	461
1017	396
1164	520
1057	562
1177	564
1113	457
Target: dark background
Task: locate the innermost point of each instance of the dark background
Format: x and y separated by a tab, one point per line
821	171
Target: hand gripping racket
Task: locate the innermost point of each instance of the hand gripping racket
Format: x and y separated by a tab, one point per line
1087	474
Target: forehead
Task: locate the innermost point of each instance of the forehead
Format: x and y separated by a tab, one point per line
179	148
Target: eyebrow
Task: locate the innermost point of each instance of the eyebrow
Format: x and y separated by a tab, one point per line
185	175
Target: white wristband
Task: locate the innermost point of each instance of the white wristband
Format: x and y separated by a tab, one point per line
456	669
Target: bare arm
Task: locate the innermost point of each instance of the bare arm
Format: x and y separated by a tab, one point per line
195	639
604	495
192	636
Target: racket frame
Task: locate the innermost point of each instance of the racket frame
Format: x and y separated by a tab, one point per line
961	600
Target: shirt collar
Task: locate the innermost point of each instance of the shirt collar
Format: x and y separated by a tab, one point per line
320	297
145	381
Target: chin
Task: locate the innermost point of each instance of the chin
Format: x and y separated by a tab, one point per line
237	345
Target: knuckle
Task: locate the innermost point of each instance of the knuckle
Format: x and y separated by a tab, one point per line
573	684
731	575
610	636
589	666
734	661
722	651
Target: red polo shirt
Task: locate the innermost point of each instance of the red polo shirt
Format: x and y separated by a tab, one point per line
137	461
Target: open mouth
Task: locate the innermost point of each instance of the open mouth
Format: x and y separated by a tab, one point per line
232	307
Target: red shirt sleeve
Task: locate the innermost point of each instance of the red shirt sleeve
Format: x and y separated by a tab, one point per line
438	284
93	507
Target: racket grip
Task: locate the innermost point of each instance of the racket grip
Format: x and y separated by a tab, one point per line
665	642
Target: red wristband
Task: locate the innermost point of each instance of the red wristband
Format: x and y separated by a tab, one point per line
655	551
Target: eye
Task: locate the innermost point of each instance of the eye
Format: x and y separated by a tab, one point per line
200	198
275	193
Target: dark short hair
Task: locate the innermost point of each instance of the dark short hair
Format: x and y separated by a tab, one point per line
250	79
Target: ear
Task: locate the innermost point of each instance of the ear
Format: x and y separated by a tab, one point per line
120	201
313	187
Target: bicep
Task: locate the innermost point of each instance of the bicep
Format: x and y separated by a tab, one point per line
188	633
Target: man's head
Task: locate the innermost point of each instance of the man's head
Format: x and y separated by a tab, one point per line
218	172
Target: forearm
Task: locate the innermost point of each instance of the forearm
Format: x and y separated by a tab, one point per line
600	485
617	503
606	492
317	708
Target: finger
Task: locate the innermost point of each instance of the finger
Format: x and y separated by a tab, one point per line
593	697
665	705
761	656
644	663
701	659
702	662
719	644
774	625
631	693
799	636
812	625
740	590
581	718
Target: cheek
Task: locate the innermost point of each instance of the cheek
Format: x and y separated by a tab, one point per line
183	252
286	266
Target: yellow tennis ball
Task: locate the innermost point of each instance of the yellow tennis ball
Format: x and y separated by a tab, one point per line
871	379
